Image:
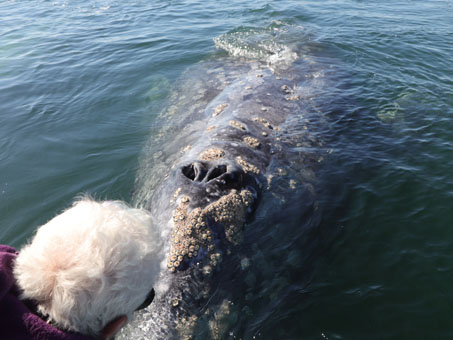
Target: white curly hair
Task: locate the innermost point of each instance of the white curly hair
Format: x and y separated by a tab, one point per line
90	264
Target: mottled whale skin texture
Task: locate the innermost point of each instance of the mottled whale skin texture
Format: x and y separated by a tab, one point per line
238	151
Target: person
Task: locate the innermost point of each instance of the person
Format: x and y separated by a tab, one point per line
82	276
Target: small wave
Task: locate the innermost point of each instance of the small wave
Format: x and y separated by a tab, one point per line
278	43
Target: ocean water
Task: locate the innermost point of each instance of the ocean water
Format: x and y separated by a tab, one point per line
82	84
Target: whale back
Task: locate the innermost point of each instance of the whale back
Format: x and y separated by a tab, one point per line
239	138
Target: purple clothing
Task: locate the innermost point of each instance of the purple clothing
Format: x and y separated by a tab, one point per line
17	321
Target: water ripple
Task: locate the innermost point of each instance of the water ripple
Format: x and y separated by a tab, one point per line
81	85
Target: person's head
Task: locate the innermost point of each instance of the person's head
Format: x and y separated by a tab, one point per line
90	266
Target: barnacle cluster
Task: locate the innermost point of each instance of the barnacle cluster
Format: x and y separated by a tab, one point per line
264	122
247	167
186	148
287	89
221	319
177	192
282	172
293	97
237	125
192	234
211	154
186	327
290	92
218	110
252	142
175	195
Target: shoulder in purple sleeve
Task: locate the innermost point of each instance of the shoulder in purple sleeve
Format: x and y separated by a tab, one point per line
18	321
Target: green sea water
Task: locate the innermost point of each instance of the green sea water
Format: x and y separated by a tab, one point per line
82	84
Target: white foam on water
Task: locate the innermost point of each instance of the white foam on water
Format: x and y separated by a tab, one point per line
276	44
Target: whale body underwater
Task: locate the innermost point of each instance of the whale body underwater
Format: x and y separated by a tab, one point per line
234	158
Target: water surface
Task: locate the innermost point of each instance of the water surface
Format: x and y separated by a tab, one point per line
83	82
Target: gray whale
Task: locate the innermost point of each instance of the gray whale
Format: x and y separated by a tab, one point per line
236	155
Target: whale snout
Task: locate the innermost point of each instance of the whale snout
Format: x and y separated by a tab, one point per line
205	182
215	200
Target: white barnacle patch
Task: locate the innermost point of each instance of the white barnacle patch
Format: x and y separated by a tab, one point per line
191	232
207	270
290	93
252	142
177	192
211	154
237	125
175	195
281	172
186	327
286	89
218	110
186	148
264	122
247	167
269	178
293	97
